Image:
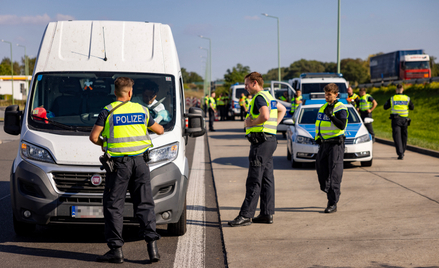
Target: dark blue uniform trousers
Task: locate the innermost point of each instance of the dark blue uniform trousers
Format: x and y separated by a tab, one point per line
260	179
329	166
133	174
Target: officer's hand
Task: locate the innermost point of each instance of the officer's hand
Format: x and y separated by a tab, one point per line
319	141
328	110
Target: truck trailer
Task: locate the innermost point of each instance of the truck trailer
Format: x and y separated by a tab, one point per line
400	65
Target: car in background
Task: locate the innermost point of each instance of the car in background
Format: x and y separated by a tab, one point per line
301	144
235	92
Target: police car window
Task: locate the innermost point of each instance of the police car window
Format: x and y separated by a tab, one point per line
76	99
308	115
318	87
239	91
353	117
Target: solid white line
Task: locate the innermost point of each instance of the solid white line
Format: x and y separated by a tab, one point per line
4	197
191	246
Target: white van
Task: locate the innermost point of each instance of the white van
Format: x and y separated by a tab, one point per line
56	176
235	92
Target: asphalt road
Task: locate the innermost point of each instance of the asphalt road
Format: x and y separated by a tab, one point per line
387	215
78	246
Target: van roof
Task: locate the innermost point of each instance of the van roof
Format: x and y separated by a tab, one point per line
118	46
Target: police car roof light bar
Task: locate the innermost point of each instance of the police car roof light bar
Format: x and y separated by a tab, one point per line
321	75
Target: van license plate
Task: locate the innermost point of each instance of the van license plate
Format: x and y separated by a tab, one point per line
87	212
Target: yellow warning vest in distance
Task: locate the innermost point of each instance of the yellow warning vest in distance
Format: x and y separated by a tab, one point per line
400	105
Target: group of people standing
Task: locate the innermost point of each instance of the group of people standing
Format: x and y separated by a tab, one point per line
265	113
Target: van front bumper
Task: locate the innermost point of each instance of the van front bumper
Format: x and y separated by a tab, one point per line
33	190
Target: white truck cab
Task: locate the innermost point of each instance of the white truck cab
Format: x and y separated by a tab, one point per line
56	176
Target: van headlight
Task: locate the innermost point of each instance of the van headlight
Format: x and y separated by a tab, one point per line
305	140
30	151
165	153
362	139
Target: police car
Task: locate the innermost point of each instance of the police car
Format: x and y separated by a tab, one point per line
301	145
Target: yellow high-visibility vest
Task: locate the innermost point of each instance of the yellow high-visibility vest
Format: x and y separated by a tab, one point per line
269	126
125	131
324	126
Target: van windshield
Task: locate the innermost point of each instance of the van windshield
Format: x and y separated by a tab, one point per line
69	102
308	88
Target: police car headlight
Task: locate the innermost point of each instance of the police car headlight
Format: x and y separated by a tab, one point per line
362	139
165	153
305	140
30	151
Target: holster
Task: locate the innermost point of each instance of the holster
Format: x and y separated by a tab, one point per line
146	156
107	162
256	137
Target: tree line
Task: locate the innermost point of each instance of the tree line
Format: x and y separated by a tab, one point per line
356	71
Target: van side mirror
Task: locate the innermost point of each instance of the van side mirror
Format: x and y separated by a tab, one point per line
13	120
196	125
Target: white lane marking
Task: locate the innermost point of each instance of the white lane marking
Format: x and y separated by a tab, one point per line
191	246
5	197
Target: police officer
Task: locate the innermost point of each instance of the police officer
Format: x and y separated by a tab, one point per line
399	113
365	105
295	102
352	97
126	139
242	102
264	115
330	128
220	105
212	110
206	104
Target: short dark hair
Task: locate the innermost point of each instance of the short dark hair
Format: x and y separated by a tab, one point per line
363	89
399	86
333	88
120	83
255	76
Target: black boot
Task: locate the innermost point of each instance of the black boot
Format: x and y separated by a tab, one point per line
114	255
153	251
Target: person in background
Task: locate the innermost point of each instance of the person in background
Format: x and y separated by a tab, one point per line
212	111
296	101
365	105
352	97
243	111
399	113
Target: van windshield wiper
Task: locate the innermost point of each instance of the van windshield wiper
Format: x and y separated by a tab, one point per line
61	125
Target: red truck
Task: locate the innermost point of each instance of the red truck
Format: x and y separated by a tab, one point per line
400	65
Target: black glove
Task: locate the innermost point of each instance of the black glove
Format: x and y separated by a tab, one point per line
319	141
328	110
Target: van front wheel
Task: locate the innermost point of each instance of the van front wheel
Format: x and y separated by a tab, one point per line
179	228
23	228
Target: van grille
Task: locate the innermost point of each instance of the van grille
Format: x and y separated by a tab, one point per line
77	182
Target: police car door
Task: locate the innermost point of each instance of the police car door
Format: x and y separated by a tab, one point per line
277	88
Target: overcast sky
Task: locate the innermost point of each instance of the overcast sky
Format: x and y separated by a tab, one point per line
239	33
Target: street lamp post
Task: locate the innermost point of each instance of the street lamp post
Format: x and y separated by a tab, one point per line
12	71
278	44
338	38
210	60
206	80
26	66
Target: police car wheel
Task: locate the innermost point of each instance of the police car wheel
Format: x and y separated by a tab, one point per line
295	164
366	163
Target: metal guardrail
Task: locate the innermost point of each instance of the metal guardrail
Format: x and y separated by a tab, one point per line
411	81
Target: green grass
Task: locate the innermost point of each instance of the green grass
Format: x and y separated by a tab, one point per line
424	128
